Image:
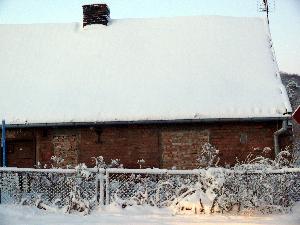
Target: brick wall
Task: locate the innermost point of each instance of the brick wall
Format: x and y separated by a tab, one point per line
127	143
44	145
236	140
66	145
181	147
160	145
61	142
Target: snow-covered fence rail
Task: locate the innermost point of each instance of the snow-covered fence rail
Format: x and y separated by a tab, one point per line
47	187
202	190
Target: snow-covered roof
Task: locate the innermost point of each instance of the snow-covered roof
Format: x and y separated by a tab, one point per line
139	69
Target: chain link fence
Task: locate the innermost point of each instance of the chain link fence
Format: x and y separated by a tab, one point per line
154	187
266	191
51	186
211	190
218	189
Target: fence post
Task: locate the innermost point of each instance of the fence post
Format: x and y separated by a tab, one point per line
101	178
107	188
97	187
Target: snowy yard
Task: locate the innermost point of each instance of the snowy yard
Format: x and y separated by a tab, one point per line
25	215
103	195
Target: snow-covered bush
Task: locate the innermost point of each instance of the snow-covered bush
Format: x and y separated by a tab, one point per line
208	156
183	192
100	163
257	184
82	171
56	161
285	158
200	196
258	191
130	189
141	162
83	195
76	201
50	188
254	185
208	191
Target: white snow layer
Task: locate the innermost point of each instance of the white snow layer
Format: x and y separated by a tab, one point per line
139	69
25	215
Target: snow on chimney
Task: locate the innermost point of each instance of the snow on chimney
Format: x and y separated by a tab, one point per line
95	14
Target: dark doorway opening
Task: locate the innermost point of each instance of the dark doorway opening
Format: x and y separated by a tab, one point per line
21	153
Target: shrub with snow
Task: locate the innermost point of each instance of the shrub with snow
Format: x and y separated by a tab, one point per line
250	186
208	156
256	185
100	163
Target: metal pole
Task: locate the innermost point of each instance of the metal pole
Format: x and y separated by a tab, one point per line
101	175
107	188
3	144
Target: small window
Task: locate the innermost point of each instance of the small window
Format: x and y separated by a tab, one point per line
243	138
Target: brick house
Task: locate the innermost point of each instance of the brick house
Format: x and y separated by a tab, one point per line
153	89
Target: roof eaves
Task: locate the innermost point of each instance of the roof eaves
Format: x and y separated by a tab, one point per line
204	120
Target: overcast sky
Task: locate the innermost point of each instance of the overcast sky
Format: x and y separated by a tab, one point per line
284	18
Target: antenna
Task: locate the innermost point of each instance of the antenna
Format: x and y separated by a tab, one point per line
266	6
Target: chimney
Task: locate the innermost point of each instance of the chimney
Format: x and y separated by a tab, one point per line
95	14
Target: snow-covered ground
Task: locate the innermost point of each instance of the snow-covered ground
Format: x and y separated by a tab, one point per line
25	215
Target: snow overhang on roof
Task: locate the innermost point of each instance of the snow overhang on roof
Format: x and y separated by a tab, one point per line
181	68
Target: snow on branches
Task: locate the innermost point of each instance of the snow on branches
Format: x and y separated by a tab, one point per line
255	185
100	163
208	156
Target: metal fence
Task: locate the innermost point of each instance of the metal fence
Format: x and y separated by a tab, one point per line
164	188
155	187
52	186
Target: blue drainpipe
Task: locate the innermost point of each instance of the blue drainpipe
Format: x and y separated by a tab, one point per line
3	144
